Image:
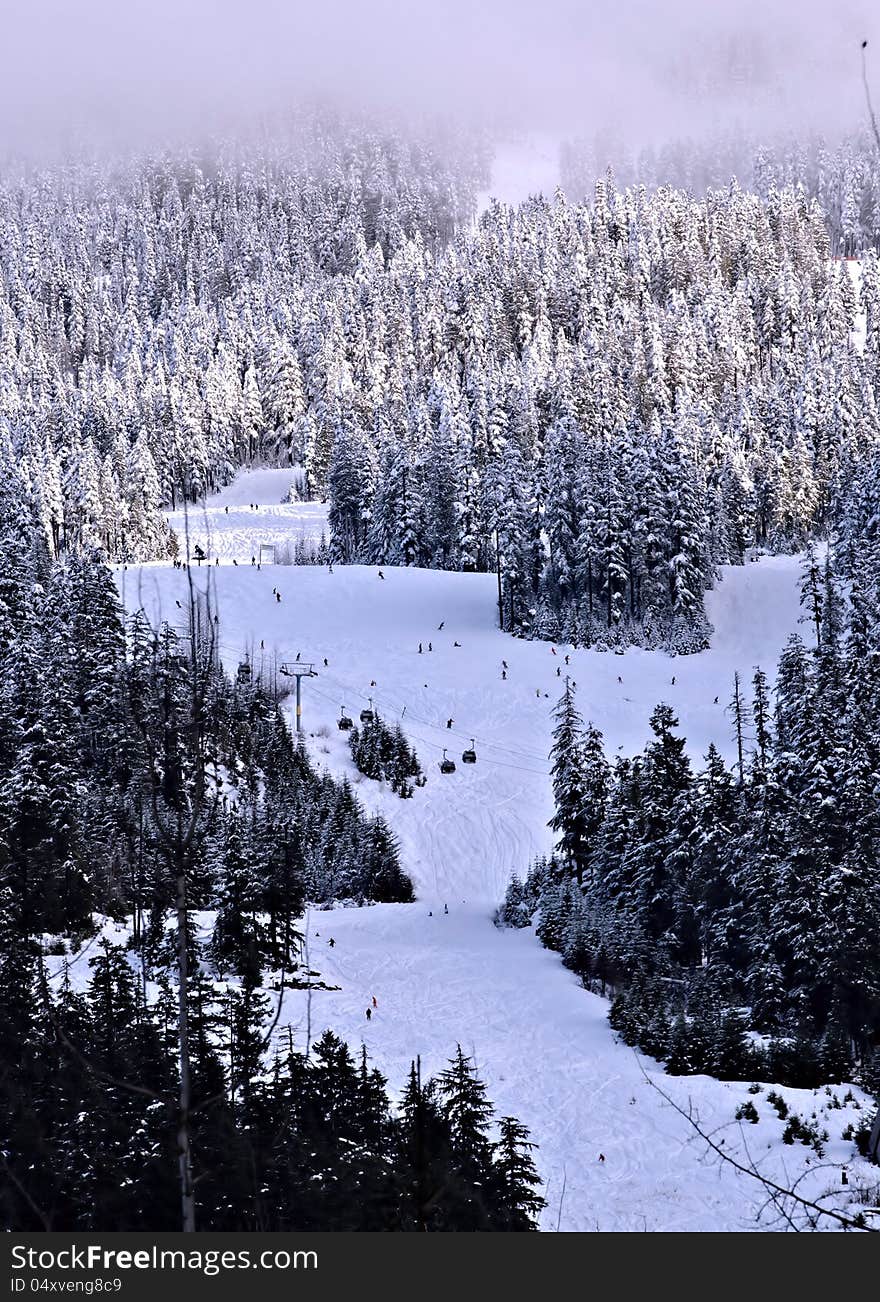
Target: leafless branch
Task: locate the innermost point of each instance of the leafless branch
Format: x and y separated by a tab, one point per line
783	1199
868	96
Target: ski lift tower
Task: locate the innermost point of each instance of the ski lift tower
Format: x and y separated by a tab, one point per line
299	671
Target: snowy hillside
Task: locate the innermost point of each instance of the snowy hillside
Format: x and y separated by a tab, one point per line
542	1043
228	524
525	725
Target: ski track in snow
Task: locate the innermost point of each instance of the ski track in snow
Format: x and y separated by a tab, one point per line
226	525
542	1044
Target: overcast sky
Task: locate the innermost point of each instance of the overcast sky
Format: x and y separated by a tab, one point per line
646	68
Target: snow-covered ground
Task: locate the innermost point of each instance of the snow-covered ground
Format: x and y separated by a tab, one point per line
227	524
542	1043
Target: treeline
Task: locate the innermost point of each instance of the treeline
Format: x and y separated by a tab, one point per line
842	176
606	399
734	911
137	782
657	386
282	1139
116	739
164	320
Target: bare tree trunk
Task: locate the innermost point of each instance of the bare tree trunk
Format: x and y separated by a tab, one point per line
182	815
738	716
187	1195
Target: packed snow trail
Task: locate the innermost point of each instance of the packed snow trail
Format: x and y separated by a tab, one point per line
542	1043
251	510
548	1056
464	834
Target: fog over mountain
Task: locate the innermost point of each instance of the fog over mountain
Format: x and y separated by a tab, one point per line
643	69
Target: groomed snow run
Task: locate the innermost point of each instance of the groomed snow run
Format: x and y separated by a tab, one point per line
227	524
542	1043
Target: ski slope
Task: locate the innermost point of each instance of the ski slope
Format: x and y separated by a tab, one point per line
251	510
542	1043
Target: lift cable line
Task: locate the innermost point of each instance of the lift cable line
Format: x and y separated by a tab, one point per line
491	745
426	741
348	690
519	752
868	100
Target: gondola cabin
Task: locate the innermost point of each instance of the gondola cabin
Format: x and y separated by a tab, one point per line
469	756
344	723
446	764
